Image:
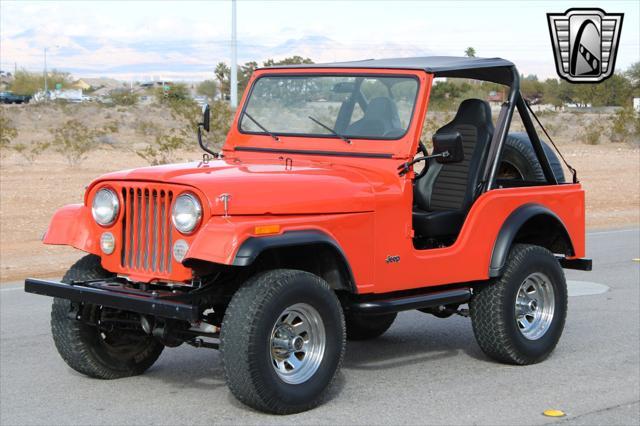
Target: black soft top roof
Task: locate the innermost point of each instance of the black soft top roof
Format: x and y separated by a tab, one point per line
497	70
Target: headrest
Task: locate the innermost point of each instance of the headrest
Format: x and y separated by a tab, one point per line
475	112
382	109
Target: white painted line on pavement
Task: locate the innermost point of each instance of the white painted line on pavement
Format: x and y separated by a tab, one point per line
12	288
585	288
614	231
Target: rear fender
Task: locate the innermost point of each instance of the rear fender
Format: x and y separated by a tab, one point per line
515	223
73	226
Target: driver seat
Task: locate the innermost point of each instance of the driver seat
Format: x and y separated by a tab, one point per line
381	118
443	196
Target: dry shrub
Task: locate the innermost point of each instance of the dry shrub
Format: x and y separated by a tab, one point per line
74	141
625	125
31	152
592	133
164	148
8	132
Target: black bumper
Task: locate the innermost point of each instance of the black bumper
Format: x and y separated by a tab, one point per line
114	295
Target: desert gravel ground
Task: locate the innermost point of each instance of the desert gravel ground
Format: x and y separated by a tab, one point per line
424	370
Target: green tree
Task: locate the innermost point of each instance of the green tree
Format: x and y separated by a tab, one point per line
28	83
246	71
223	75
531	88
633	74
173	92
207	88
124	97
551	92
470	52
292	60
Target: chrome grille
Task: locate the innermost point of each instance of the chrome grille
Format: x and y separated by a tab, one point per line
146	230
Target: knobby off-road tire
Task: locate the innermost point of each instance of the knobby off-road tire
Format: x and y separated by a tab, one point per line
85	348
273	307
519	160
365	327
503	329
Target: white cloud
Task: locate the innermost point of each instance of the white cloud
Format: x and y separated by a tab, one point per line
129	38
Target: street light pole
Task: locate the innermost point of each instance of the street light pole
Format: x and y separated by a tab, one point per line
234	57
46	87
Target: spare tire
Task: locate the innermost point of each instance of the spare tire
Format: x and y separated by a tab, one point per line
519	160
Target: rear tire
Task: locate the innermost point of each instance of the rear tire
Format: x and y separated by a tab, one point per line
282	341
519	318
365	327
87	349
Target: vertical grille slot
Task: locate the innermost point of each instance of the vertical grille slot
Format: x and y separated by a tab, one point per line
146	230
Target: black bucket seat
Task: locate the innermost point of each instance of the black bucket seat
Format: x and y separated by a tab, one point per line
444	195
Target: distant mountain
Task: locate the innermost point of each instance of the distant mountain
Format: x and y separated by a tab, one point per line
191	59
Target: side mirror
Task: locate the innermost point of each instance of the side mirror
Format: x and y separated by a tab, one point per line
447	146
206	117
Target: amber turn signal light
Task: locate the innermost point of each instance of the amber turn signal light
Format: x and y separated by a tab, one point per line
266	229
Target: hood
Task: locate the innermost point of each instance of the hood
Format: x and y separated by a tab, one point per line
265	188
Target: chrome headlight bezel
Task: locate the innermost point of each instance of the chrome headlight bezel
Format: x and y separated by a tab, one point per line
110	201
195	214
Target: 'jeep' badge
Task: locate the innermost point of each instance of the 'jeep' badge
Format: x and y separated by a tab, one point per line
585	43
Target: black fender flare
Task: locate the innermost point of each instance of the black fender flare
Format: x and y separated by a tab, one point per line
251	248
510	229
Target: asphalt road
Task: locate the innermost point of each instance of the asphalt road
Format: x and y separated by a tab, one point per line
424	370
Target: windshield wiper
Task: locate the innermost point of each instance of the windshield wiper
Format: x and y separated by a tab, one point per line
344	138
273	135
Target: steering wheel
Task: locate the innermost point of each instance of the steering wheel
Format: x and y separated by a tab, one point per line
422	149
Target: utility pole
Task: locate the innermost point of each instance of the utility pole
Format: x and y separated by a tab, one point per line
46	87
234	57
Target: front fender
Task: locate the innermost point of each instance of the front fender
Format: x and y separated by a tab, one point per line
72	225
221	239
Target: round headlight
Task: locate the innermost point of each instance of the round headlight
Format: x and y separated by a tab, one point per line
186	213
105	207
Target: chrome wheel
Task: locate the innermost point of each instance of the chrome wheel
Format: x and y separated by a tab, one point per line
535	304
297	343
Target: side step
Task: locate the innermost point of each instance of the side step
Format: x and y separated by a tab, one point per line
385	304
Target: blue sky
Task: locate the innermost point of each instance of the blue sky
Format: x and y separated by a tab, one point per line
185	40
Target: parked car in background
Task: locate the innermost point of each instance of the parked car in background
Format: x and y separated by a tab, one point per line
11	98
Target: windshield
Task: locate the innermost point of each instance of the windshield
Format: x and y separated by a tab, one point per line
372	107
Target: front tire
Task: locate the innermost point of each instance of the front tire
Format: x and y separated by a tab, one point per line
519	318
89	350
282	341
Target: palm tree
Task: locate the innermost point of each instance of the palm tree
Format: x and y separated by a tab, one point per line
470	52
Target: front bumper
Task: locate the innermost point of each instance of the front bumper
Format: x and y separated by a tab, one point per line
115	295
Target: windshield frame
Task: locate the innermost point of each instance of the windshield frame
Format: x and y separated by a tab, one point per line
329	74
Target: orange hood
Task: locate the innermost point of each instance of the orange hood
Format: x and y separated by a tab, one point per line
264	187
